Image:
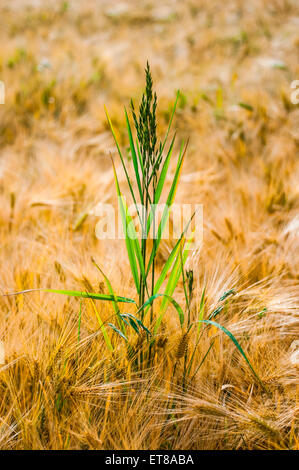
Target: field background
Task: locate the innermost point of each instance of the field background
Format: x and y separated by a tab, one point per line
234	63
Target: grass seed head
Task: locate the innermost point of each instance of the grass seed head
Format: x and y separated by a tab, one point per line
182	345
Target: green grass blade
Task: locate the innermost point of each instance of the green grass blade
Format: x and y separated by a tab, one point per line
133	237
160	186
170	287
171	118
236	343
133	324
130	242
167	266
163	173
111	291
121	157
90	295
201	310
134	156
203	360
102	327
173	280
117	331
177	174
168	205
139	322
171	258
168	129
170	299
130	236
74	293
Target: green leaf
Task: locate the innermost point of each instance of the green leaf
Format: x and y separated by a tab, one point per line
167	266
171	300
115	304
173	280
168	129
117	331
133	325
163	173
201	310
171	258
134	156
202	361
131	319
74	293
160	186
139	322
102	327
168	205
121	157
130	241
231	336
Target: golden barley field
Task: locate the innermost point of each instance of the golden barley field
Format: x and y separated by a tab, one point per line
68	380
